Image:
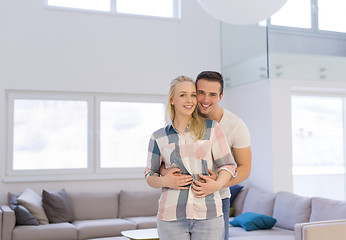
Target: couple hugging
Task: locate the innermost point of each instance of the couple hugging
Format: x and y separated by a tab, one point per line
194	159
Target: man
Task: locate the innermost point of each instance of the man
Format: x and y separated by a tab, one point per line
209	86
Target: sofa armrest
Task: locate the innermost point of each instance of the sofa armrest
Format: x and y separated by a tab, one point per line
8	222
332	229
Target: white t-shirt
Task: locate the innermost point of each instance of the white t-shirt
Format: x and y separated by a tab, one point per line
237	135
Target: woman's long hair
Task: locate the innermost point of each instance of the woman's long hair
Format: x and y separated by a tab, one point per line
197	123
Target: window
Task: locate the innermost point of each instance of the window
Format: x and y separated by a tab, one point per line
99	5
331	15
158	8
124	136
49	134
65	133
155	8
317	16
302	14
318	146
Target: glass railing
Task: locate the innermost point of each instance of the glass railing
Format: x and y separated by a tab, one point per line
244	54
257	52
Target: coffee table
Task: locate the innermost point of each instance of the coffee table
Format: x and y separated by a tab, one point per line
141	234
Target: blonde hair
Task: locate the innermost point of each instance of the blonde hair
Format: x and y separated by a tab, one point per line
197	123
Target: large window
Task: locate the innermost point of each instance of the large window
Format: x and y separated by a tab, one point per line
50	134
318	143
319	16
123	135
155	8
59	134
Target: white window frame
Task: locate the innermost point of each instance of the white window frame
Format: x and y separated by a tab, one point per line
93	169
313	31
113	10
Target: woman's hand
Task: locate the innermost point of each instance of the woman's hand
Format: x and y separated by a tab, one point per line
175	179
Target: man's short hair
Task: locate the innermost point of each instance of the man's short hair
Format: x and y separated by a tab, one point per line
211	76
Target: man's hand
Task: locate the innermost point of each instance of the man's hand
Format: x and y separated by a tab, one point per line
175	179
207	185
163	169
212	175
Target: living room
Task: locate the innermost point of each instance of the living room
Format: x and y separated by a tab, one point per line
49	50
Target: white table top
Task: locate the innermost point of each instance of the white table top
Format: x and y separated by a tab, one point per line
141	234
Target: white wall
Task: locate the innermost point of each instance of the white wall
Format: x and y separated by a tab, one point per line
45	49
252	103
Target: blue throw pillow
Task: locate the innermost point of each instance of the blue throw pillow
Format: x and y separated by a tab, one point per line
234	191
253	221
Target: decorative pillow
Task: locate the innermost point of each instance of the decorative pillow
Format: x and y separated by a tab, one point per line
234	192
23	216
253	221
259	202
58	206
33	202
290	209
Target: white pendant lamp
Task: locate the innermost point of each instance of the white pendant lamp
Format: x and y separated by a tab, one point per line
241	12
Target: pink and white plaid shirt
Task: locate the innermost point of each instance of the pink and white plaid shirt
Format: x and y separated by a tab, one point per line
192	157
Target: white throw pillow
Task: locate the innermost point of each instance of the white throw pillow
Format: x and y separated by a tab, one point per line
33	202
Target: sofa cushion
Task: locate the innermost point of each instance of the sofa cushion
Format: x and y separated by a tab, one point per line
290	209
33	202
88	205
144	222
253	221
258	201
58	206
238	232
238	202
138	203
54	231
326	209
23	216
102	227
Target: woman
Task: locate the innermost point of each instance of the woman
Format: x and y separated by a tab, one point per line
194	146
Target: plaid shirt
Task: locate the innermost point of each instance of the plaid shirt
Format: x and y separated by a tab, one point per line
191	157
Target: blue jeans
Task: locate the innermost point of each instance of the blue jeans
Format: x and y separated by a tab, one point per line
191	229
226	205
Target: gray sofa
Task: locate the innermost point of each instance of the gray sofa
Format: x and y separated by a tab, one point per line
105	215
95	216
297	217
